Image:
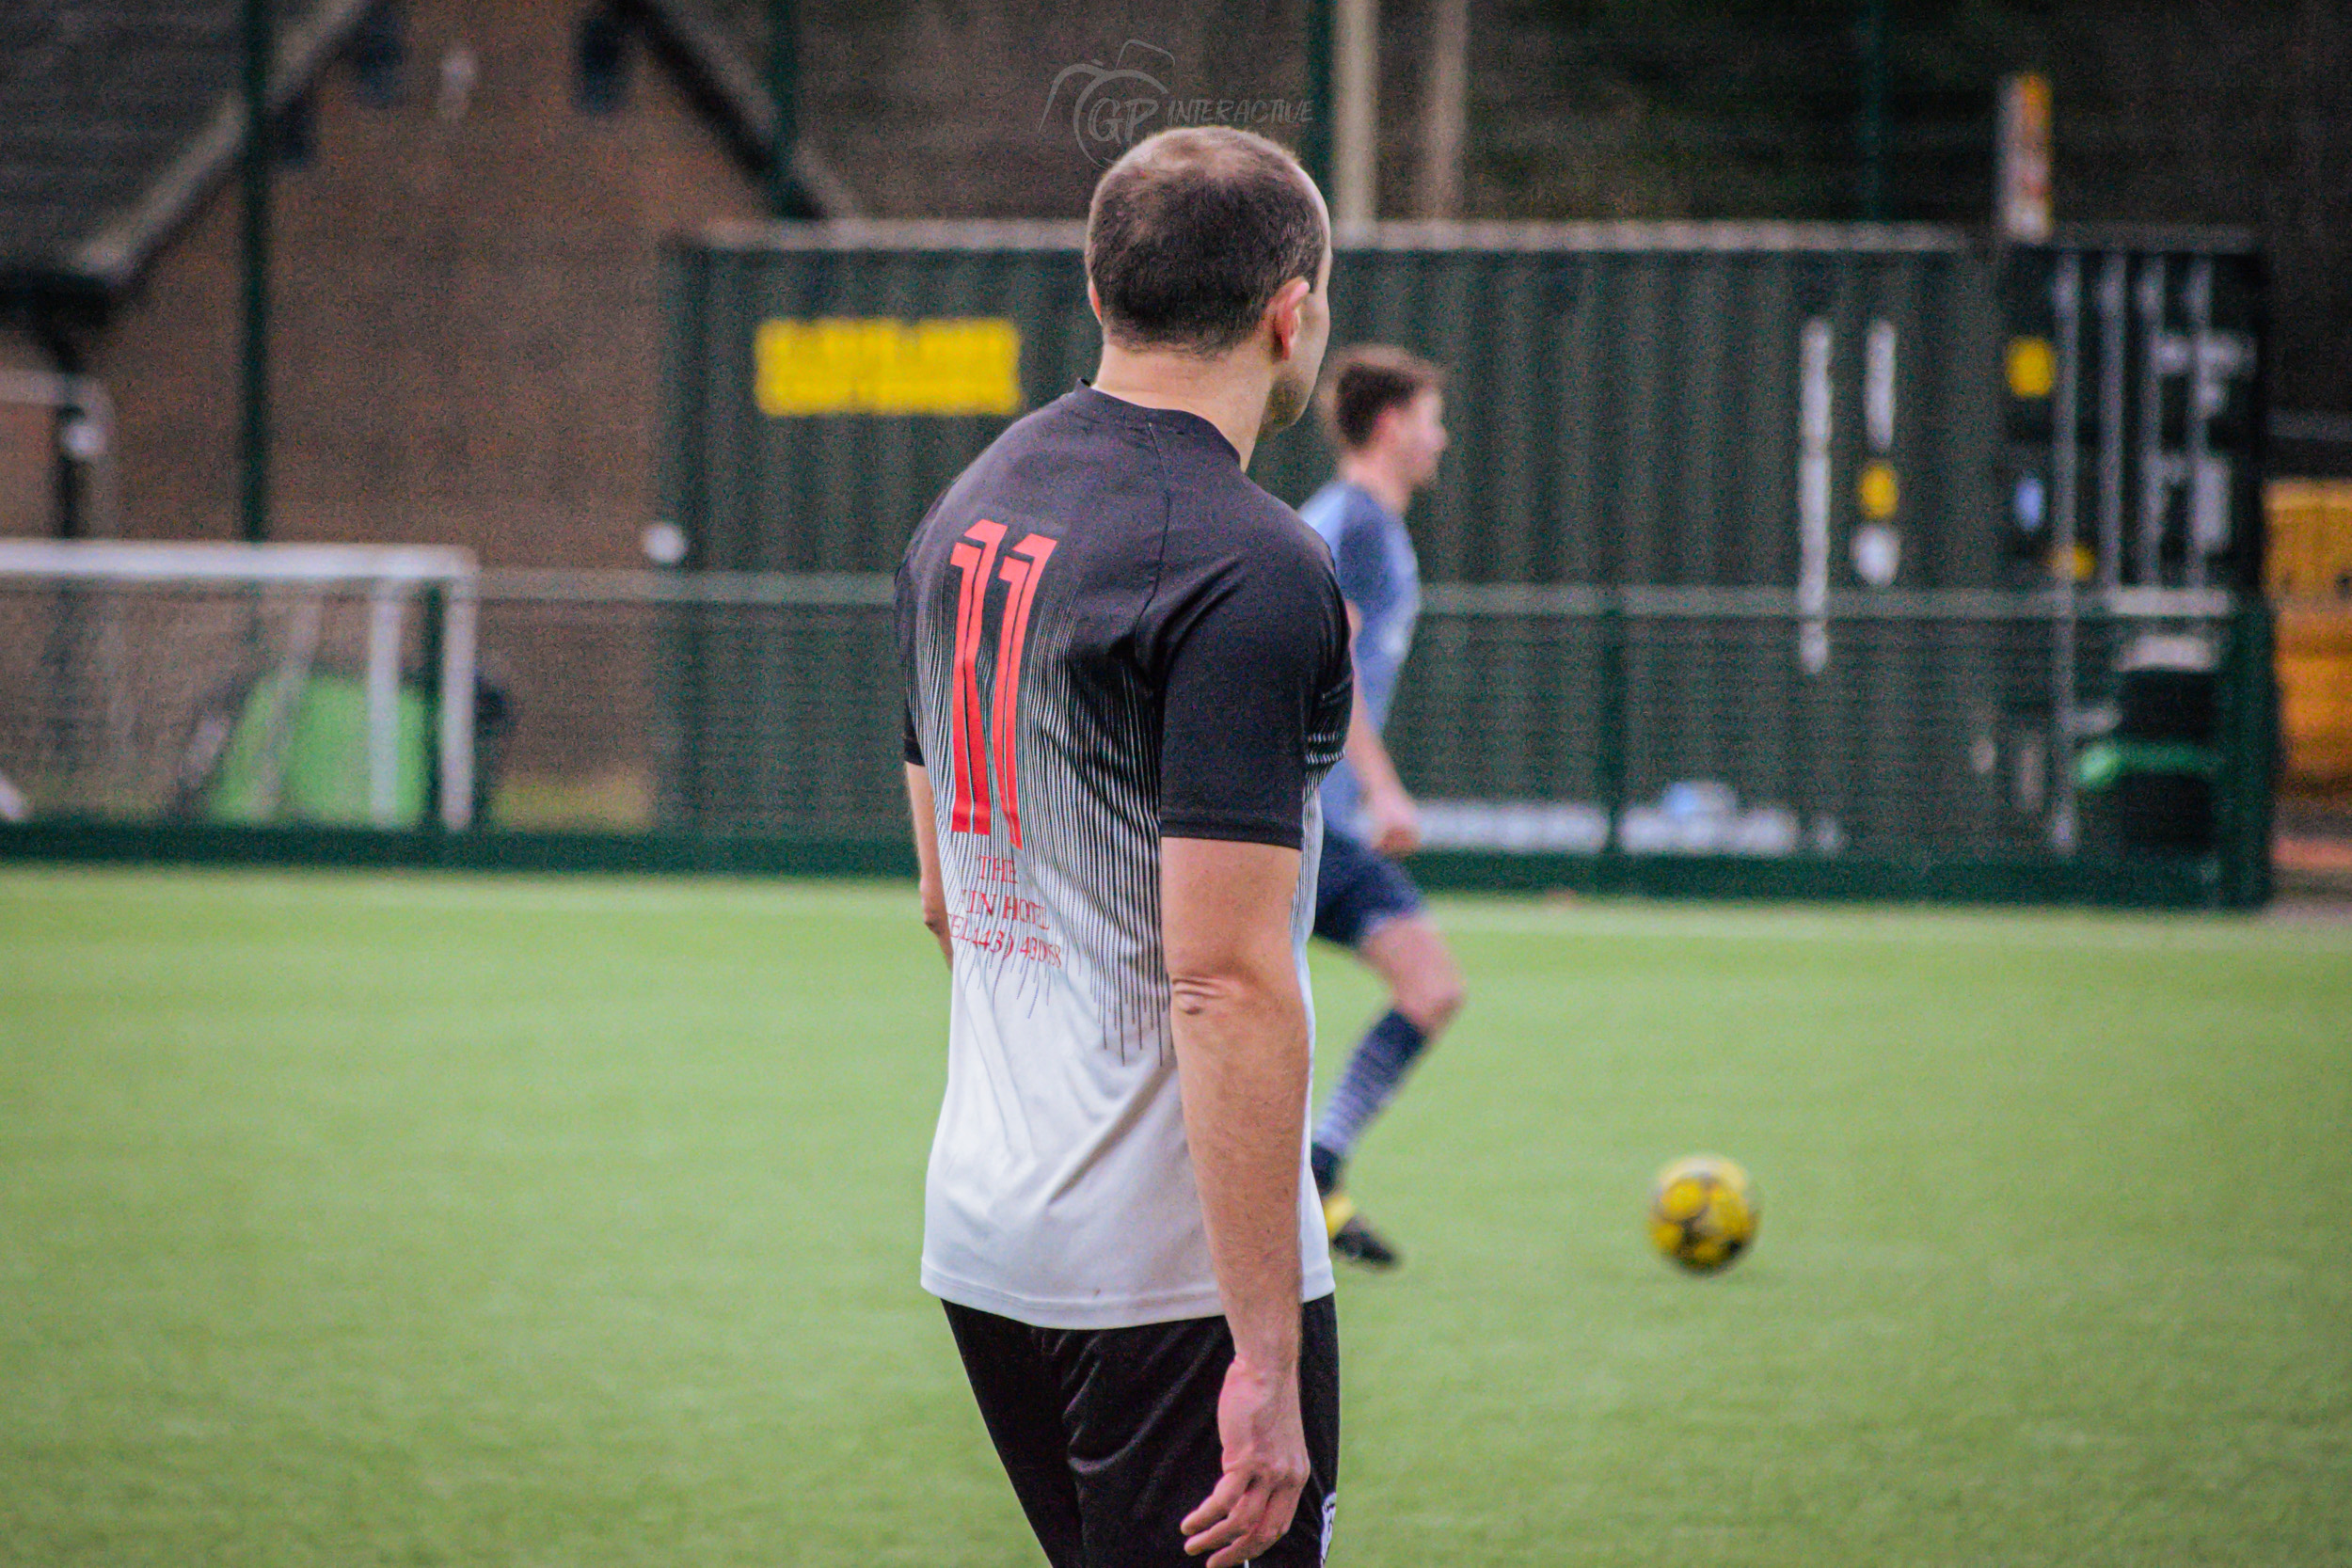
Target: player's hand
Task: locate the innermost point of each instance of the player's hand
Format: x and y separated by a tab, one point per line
1266	1468
1395	823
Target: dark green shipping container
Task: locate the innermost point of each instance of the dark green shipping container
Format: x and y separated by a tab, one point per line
1740	406
1813	414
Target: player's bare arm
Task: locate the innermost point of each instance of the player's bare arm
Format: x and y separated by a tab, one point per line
1240	1029
935	890
1389	810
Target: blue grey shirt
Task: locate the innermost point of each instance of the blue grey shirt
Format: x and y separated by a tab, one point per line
1379	575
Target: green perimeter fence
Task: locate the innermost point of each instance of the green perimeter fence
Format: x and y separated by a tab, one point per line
2062	746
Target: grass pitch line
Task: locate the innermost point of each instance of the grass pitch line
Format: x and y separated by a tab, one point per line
2047	931
468	893
460	893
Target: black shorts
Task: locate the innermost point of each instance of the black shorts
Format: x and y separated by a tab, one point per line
1109	1435
1357	889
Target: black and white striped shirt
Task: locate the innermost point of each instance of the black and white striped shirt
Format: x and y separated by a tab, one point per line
1109	636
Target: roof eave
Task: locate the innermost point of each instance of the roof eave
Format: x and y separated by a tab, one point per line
718	73
113	258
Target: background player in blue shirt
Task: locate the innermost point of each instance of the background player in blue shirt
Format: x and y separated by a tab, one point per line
1385	411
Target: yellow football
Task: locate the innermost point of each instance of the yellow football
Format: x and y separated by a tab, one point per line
1704	1212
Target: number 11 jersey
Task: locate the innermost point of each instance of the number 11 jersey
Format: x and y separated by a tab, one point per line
1109	636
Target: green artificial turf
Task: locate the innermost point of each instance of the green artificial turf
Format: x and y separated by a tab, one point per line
418	1220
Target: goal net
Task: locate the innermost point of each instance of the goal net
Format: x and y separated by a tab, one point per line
237	683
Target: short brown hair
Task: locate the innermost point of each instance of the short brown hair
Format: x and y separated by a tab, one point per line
1192	231
1366	381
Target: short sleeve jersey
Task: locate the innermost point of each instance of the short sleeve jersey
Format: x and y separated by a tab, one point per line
1109	635
1380	576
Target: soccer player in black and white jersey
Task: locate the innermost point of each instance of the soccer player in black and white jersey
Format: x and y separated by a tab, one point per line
1127	670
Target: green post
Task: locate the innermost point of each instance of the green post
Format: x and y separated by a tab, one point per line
2250	745
1610	739
1314	142
1874	111
254	487
694	789
784	196
679	803
435	616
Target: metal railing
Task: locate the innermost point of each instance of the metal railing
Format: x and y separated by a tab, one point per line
1626	724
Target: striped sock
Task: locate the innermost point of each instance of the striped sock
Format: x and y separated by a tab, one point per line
1368	1082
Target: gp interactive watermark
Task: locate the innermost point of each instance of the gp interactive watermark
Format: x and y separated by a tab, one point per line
1113	106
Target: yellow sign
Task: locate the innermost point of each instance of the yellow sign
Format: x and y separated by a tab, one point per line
2032	368
2308	545
1877	491
881	365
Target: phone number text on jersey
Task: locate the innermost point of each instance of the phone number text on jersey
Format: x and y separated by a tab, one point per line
1002	942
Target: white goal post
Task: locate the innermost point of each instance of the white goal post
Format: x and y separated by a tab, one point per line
386	578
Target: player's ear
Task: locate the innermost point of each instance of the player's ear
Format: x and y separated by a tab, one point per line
1285	315
1094	302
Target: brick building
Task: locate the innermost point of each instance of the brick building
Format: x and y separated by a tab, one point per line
467	203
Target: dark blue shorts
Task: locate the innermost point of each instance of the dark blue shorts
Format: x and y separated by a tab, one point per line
1358	888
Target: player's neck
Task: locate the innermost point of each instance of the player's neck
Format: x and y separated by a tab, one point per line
1227	391
1369	473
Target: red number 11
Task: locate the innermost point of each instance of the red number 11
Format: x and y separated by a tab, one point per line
973	556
